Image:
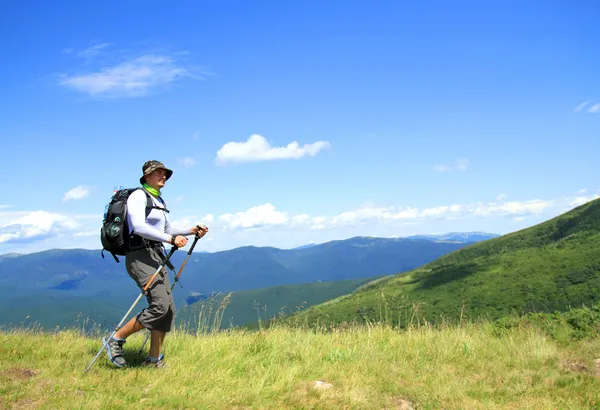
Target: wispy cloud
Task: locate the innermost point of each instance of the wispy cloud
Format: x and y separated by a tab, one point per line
79	192
581	106
594	109
187	162
5	206
441	168
92	51
580	200
461	164
257	148
128	77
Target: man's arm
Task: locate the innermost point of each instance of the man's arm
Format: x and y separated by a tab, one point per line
172	231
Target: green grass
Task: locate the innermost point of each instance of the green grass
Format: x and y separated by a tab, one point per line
485	365
551	266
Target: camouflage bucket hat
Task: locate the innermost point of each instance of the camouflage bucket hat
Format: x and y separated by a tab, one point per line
153	165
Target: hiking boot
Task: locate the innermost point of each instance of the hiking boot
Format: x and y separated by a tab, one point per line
160	363
114	350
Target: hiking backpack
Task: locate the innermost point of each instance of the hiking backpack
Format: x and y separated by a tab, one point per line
114	233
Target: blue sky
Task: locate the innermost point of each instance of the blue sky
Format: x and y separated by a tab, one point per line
294	122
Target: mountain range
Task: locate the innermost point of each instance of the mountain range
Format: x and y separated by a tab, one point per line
88	284
457	237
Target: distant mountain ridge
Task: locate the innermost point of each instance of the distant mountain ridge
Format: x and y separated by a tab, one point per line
82	275
458	236
463	237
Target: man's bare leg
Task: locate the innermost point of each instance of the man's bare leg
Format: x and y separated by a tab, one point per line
128	329
156	340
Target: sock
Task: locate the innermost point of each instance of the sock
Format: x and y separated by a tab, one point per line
117	339
154	359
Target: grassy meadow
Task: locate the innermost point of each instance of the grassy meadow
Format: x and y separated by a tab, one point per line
538	362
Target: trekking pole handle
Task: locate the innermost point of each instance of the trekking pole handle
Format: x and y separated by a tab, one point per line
196	237
173	249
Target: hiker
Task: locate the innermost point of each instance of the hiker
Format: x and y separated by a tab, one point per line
143	257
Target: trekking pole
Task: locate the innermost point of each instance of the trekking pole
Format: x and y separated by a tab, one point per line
173	249
196	238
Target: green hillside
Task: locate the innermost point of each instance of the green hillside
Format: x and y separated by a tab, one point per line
547	267
248	307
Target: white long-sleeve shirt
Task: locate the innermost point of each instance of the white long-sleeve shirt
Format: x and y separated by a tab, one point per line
156	226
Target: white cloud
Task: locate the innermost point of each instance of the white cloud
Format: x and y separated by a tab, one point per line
85	234
534	206
258	216
501	197
5	206
581	106
268	216
257	148
187	162
96	217
265	225
35	226
461	164
92	51
594	109
79	192
441	168
580	200
133	78
189	221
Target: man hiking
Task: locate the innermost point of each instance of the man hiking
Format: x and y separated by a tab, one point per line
143	258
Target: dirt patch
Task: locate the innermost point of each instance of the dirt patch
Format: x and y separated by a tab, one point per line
577	366
26	404
401	403
19	374
404	404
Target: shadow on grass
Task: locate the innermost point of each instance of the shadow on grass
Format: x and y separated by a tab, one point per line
448	273
132	356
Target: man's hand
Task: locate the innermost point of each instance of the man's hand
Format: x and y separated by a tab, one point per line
199	230
180	241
